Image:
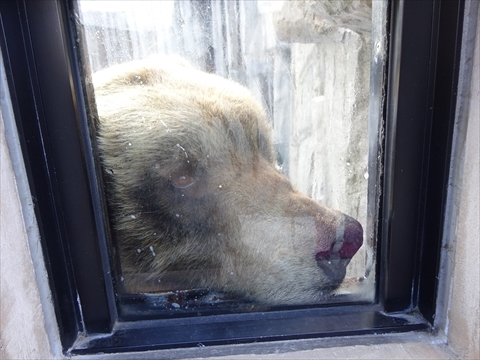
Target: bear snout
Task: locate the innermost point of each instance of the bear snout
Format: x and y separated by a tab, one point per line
352	238
349	238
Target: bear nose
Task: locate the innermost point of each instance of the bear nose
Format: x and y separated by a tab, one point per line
349	239
352	238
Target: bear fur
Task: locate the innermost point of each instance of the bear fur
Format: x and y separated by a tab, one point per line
195	197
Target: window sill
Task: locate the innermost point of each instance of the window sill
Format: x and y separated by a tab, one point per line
413	345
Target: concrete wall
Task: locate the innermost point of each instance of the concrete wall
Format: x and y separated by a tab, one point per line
22	324
28	327
463	325
27	324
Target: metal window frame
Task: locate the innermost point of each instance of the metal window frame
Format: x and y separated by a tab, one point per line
48	98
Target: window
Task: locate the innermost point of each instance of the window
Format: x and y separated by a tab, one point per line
315	96
52	100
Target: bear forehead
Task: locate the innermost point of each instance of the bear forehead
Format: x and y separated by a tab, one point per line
167	96
175	75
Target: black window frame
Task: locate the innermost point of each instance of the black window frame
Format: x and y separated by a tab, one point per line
48	98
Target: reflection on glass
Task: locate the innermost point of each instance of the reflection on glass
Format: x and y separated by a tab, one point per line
234	140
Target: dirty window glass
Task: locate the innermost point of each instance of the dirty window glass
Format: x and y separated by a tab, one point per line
238	141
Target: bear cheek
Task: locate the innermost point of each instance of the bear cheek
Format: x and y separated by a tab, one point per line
279	237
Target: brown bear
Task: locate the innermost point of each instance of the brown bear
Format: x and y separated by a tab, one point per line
195	196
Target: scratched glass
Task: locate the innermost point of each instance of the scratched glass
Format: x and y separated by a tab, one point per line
238	141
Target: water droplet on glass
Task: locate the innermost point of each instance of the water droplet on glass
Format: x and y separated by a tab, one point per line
153	252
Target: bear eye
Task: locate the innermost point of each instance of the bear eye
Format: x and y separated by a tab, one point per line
182	181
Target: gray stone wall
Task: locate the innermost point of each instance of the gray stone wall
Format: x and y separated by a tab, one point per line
330	61
328	137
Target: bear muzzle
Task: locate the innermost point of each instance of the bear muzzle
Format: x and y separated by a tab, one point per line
349	238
